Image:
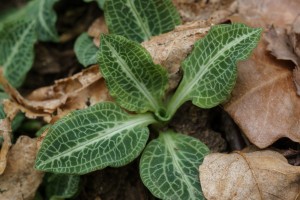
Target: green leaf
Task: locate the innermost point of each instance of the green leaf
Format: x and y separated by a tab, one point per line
210	70
42	12
99	136
101	3
2	113
138	20
17	40
61	186
85	50
169	166
135	82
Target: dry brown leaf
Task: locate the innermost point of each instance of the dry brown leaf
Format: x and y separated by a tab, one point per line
280	45
170	49
20	180
258	175
76	92
295	36
263	13
216	10
264	102
5	131
97	27
296	76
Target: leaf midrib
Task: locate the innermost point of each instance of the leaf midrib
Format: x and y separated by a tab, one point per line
107	133
139	85
205	67
143	25
170	145
42	20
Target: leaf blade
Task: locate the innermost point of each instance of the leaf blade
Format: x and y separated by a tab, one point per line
61	186
42	11
85	50
141	19
169	166
100	136
135	82
17	40
210	70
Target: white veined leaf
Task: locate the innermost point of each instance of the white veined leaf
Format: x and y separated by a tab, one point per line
17	40
85	50
61	186
138	20
132	78
169	166
210	70
99	136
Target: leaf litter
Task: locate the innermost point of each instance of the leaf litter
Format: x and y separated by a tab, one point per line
52	102
264	83
20	180
249	175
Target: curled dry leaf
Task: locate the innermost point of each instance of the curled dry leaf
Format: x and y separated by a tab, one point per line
76	92
5	131
257	175
280	46
264	102
263	13
20	180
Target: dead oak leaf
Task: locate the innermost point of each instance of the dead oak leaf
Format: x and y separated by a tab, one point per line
258	175
75	92
20	180
264	102
5	132
296	75
280	45
262	13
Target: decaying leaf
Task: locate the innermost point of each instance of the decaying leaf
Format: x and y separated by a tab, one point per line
295	36
257	175
5	131
262	13
280	46
296	75
76	92
264	102
191	10
20	180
